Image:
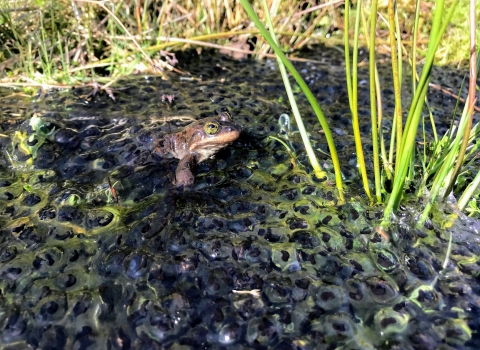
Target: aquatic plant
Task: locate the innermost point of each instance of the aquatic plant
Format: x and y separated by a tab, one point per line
404	132
352	89
405	160
96	42
284	62
440	168
29	143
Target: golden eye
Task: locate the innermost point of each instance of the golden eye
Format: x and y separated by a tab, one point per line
211	128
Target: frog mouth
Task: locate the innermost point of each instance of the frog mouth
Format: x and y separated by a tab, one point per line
218	141
209	146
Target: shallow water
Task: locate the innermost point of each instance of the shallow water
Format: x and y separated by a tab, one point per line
162	269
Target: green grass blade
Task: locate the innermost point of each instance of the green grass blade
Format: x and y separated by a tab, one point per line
46	64
301	127
414	46
408	140
470	100
346	30
398	36
373	105
354	105
396	83
333	152
468	193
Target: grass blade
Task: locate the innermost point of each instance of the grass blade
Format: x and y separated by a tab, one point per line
408	140
346	30
323	122
396	82
376	124
354	105
471	98
468	193
303	132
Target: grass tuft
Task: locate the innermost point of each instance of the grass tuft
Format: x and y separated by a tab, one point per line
69	42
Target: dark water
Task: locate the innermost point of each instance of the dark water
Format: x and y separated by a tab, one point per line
162	269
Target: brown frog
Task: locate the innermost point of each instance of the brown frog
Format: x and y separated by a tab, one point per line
197	142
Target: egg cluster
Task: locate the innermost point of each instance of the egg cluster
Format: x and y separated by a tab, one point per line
99	250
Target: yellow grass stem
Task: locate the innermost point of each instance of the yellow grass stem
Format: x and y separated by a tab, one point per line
354	105
471	98
396	83
408	141
346	43
376	125
301	127
308	94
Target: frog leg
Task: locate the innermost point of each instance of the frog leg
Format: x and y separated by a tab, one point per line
184	175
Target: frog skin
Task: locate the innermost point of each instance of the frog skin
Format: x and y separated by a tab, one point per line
197	142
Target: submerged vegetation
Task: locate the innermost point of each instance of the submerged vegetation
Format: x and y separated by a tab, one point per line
68	43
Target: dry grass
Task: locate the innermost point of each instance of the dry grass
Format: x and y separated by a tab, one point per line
71	42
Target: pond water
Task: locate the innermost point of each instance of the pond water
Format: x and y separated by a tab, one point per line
257	255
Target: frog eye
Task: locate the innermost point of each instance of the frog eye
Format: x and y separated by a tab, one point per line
211	128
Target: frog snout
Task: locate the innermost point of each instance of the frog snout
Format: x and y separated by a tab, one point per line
232	128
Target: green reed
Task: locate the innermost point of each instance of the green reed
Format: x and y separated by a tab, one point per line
407	145
308	94
444	165
468	193
396	72
403	134
291	98
352	87
376	107
374	88
446	177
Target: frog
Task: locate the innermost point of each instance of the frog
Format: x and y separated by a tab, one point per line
195	143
